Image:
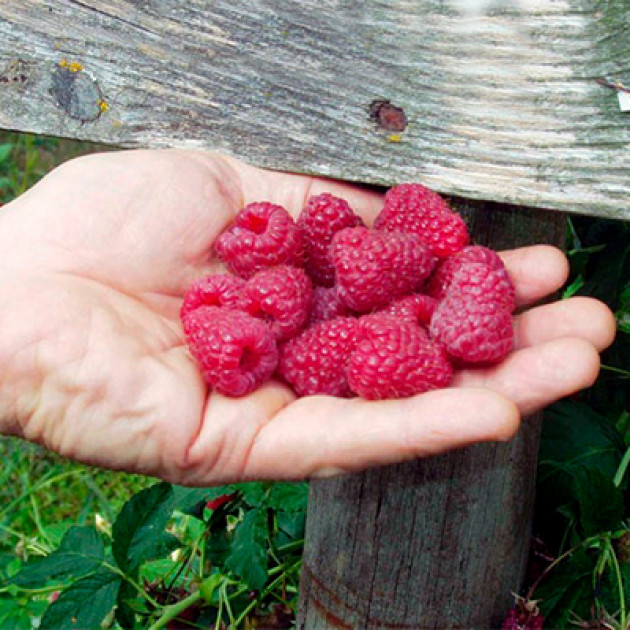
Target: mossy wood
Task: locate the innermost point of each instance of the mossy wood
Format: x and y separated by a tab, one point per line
504	107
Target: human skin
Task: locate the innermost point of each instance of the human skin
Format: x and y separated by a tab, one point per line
94	263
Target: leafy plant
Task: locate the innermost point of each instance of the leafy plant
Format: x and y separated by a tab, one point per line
582	527
176	557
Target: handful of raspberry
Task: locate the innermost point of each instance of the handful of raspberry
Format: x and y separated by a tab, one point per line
333	307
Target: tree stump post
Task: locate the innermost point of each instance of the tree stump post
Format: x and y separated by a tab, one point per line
434	543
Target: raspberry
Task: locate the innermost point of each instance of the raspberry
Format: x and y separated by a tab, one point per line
326	305
442	277
314	361
482	283
263	235
372	268
281	296
412	208
322	217
395	359
235	351
221	289
416	308
473	330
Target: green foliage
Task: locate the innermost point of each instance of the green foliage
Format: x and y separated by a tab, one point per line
583	502
132	578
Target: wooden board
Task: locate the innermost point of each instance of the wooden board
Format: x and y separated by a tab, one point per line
503	105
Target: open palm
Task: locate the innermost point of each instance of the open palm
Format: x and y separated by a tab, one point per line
94	262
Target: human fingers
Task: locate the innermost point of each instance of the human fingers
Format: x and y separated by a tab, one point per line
322	435
580	317
537	376
536	271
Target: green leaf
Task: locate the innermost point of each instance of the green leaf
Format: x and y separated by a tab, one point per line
14	615
292	524
139	530
84	604
81	552
290	497
578	446
5	151
623	313
601	503
125	598
255	493
567	590
248	555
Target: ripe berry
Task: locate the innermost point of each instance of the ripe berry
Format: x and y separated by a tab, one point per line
322	217
372	268
417	308
282	297
481	283
235	351
472	330
263	235
395	359
326	305
414	209
222	289
314	361
442	276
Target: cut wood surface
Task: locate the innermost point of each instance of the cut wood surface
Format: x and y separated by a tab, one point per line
501	106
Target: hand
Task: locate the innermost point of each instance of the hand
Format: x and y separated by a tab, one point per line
94	262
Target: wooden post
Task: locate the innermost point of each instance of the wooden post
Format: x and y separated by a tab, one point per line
436	543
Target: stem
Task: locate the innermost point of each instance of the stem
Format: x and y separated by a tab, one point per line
264	594
560	558
623	621
124	576
621	471
170	612
616	370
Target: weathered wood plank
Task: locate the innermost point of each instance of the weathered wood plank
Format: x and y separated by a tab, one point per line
435	543
504	106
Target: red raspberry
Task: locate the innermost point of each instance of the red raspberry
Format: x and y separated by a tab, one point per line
235	351
395	359
372	268
326	305
412	208
281	296
482	283
263	235
416	308
443	274
473	327
314	361
525	615
222	289
322	217
215	504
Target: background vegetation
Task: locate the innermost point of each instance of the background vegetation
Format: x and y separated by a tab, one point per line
230	557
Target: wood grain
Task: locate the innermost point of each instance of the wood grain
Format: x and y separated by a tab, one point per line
503	106
435	543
